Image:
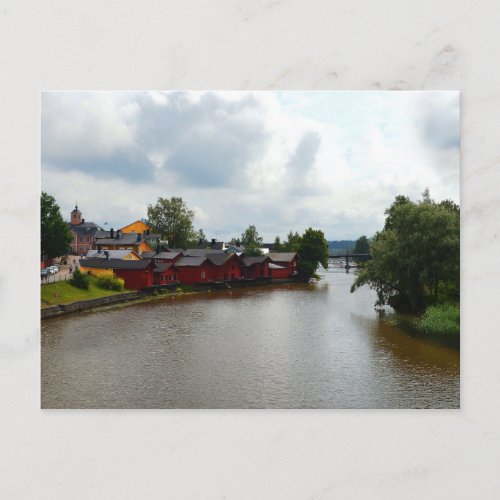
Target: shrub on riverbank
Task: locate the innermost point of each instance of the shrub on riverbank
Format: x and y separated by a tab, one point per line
80	280
440	320
110	282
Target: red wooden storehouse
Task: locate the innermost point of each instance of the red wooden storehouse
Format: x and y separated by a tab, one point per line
164	273
255	267
225	266
283	264
137	274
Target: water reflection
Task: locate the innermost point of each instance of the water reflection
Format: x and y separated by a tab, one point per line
297	346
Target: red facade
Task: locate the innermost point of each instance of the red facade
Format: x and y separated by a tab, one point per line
165	276
189	275
136	279
229	270
279	273
256	270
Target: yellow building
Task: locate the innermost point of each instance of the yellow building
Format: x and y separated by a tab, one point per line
138	227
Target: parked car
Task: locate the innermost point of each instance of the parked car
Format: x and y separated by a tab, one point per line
44	273
53	269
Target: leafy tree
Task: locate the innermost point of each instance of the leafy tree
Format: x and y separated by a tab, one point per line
292	243
174	221
252	242
55	233
362	245
313	251
416	257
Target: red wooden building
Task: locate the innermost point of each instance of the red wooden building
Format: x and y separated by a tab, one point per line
287	260
164	273
191	270
255	267
137	274
225	266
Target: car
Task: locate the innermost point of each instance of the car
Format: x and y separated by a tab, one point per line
53	269
44	273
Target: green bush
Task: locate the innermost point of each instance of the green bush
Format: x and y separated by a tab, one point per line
80	280
440	320
110	282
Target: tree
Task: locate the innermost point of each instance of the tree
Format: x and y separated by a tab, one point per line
55	233
313	251
292	243
252	242
416	257
278	246
362	245
174	221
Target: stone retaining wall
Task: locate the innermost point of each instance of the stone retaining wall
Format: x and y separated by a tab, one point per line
49	312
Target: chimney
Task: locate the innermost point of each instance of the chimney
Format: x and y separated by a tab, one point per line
117	234
83	220
112	233
106	253
213	240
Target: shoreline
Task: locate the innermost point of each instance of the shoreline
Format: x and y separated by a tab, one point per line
136	297
406	324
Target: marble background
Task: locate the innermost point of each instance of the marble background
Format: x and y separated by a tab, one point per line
287	44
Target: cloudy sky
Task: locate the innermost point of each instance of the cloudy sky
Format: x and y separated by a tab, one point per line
278	160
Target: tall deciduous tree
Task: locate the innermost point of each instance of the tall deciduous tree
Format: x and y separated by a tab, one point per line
55	233
313	251
362	245
174	221
252	242
416	257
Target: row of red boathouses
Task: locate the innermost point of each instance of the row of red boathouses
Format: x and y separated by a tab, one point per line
194	267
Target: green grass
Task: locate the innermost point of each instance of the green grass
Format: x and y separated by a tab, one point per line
69	293
440	320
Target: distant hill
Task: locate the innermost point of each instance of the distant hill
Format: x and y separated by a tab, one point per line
341	244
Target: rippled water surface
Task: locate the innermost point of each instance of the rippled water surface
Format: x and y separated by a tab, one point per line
288	346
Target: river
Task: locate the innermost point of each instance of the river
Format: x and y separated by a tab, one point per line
284	346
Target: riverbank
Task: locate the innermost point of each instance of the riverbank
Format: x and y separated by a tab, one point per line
63	292
111	299
440	323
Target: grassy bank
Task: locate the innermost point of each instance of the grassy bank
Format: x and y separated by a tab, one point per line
441	322
69	293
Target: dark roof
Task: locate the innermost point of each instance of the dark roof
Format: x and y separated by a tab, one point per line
125	239
198	252
161	267
146	255
282	256
219	258
113	254
102	234
214	245
85	229
268	245
114	263
190	261
166	255
249	261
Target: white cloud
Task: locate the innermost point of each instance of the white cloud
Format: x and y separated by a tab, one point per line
280	161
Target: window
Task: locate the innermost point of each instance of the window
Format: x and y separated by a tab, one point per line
203	275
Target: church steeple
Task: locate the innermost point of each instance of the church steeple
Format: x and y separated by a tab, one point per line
76	215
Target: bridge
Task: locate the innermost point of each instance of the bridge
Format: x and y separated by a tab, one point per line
347	254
